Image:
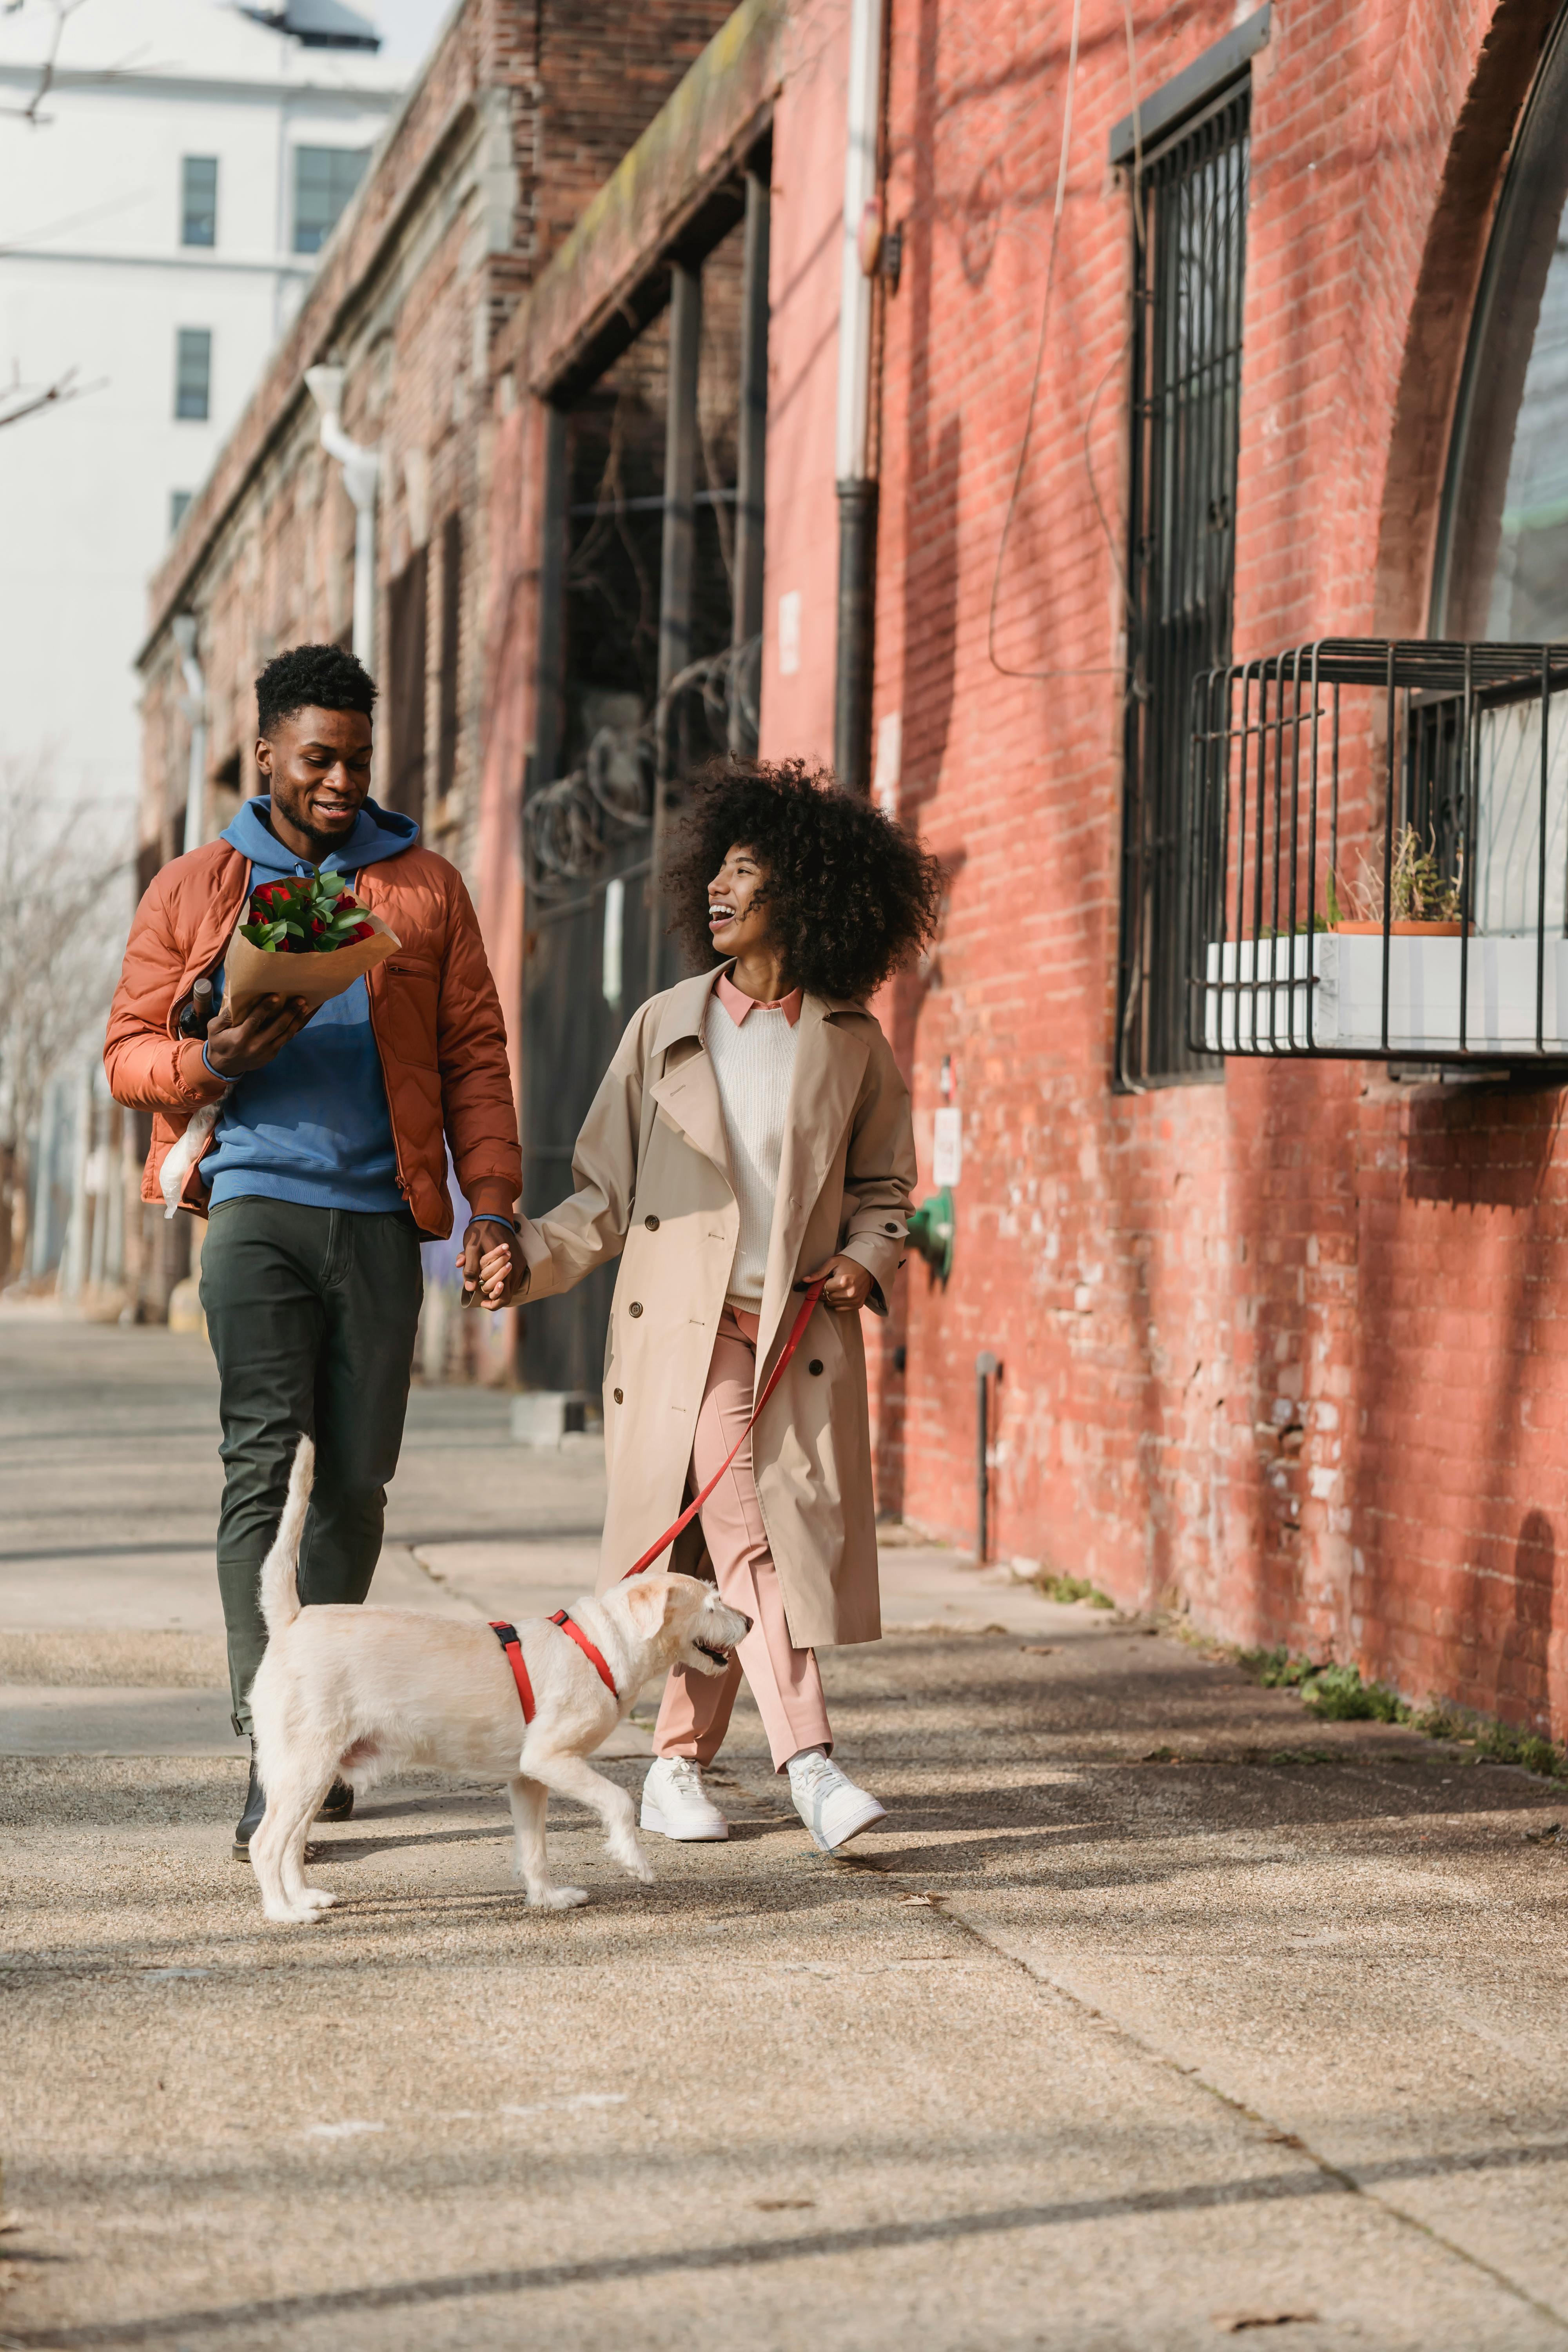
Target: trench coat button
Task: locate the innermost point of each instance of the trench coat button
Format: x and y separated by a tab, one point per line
814	1366
652	1224
635	1306
620	1396
890	1229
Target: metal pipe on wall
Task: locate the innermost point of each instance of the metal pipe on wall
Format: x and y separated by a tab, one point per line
675	569
987	1367
856	486
362	474
194	702
752	454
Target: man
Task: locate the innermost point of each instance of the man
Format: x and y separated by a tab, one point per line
328	1163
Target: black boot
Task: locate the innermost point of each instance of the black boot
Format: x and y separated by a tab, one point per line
338	1804
249	1821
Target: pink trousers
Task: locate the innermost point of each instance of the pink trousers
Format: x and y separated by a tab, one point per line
783	1680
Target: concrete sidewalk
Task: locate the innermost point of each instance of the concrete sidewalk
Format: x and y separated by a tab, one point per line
1134	2028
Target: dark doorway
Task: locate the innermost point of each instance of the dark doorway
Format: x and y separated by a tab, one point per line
647	506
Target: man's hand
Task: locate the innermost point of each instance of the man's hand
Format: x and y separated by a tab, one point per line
235	1047
491	1264
848	1287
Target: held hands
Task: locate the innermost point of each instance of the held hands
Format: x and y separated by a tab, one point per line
491	1265
235	1047
848	1287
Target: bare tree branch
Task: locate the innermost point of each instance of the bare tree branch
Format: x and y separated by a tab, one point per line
18	399
62	11
62	927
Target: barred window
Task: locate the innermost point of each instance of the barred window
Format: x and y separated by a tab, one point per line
193	372
1189	266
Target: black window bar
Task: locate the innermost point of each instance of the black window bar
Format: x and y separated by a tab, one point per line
1189	268
1378	857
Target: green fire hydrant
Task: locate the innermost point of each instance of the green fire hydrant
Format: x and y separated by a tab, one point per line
931	1232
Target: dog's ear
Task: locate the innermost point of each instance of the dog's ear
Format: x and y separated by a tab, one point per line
647	1605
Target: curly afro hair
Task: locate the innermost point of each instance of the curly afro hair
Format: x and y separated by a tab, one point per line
311	678
850	895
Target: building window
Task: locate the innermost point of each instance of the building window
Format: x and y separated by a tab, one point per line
450	676
1502	568
1189	261
193	372
198	200
404	675
179	502
324	180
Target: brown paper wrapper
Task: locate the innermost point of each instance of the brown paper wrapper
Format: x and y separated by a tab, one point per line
250	971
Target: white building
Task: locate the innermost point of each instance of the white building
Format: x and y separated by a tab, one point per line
164	193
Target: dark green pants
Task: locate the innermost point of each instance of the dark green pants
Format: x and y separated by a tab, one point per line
312	1315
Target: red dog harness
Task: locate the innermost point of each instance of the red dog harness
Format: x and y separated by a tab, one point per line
595	1658
507	1635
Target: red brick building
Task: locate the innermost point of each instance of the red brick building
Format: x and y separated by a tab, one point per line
1169	339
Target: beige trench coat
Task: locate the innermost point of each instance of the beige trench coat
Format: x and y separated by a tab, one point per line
652	1172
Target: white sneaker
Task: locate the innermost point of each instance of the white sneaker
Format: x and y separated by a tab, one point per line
833	1808
675	1804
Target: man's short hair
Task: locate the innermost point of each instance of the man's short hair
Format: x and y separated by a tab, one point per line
311	678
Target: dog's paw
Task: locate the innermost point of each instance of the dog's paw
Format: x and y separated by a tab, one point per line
293	1915
635	1862
320	1898
558	1898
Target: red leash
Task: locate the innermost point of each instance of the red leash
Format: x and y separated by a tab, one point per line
507	1635
814	1292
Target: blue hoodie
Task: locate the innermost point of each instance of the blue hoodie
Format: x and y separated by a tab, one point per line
313	1125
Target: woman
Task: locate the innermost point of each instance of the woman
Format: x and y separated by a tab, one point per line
753	1135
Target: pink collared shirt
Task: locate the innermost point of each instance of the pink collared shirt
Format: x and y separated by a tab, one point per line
737	1003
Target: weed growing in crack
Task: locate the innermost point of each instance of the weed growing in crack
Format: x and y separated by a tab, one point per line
1071	1588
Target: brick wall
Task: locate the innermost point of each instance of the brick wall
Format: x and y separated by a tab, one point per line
520	112
1288	1345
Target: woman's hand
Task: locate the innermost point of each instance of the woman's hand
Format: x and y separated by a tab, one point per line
491	1265
847	1285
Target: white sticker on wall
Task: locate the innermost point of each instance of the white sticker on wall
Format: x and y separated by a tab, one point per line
947	1146
615	926
789	632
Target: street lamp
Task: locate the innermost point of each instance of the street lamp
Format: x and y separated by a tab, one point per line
362	471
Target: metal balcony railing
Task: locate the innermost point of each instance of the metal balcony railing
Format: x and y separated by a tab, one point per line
1378	853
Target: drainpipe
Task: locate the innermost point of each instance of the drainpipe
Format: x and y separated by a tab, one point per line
987	1367
857	489
362	471
193	703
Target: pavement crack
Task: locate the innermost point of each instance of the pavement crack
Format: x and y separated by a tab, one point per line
1334	2175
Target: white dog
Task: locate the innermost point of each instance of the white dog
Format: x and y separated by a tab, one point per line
363	1692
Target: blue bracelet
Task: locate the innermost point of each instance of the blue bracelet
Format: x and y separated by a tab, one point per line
488	1220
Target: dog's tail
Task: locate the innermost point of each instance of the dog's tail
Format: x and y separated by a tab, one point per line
280	1584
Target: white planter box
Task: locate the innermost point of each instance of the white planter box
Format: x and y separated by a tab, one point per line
1347	997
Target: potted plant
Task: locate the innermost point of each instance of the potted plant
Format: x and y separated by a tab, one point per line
1424	902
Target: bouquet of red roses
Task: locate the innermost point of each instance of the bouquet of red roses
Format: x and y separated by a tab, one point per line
315	918
310	913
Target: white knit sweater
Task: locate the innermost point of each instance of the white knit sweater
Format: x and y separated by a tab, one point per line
753	1064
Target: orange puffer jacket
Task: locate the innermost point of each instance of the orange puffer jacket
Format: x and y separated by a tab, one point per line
434	1013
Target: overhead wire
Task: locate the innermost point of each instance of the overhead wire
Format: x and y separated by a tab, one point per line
1112	669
